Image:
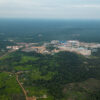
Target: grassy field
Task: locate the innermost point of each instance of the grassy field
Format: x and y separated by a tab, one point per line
9	88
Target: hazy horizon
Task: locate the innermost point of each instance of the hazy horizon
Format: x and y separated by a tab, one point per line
50	9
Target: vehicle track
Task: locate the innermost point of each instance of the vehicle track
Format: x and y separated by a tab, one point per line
24	91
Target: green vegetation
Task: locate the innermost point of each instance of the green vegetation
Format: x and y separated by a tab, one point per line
51	75
86	90
26	59
9	88
62	76
36	91
4	43
50	47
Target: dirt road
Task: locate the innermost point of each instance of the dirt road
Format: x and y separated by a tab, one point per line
24	91
17	79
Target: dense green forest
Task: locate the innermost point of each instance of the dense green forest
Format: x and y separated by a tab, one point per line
32	30
62	76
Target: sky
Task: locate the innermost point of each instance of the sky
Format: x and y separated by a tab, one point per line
54	9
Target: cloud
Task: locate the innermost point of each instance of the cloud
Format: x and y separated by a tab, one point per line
50	8
84	6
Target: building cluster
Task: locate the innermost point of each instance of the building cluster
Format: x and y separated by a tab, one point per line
14	47
75	46
82	48
38	49
20	45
